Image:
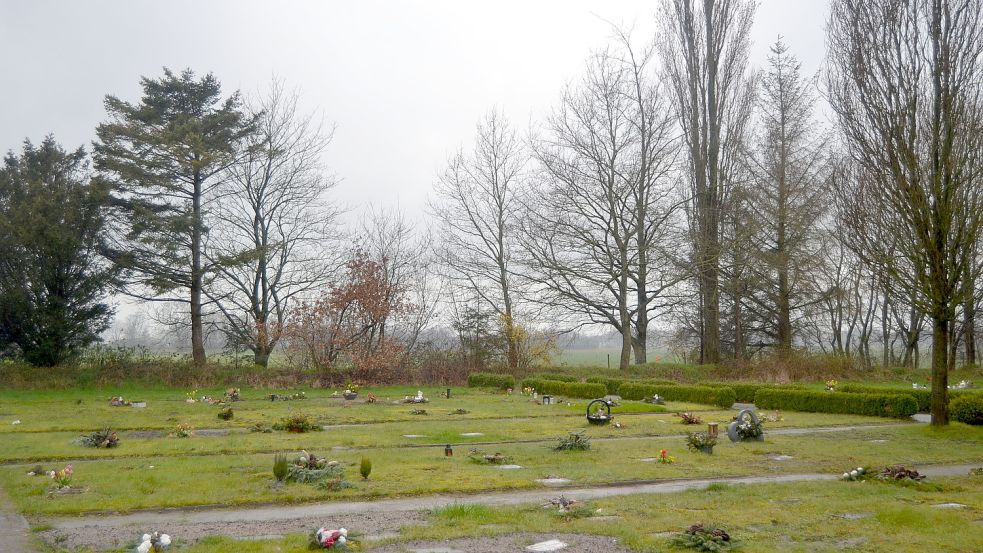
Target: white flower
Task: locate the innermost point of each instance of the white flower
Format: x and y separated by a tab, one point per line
341	540
860	470
854	473
144	547
16	422
146	537
165	540
846	475
343	532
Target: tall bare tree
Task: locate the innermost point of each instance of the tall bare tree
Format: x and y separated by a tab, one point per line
904	81
273	225
477	207
704	47
597	229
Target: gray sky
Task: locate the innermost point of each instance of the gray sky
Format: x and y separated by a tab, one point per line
405	81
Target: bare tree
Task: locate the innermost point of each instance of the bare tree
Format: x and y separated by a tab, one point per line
704	46
477	207
904	81
273	225
597	229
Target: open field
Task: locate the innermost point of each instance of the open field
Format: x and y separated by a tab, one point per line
226	464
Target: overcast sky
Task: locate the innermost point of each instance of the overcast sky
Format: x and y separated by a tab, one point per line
405	81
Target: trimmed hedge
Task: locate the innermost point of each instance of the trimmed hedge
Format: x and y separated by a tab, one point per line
877	405
922	396
489	380
557	377
745	390
567	389
719	396
967	408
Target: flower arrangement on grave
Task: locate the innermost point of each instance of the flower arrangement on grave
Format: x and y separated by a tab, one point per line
689	418
310	469
325	538
482	458
154	543
859	473
183	430
748	428
664	458
963	385
232	394
831	385
528	391
656	399
418	398
899	472
118	401
102	438
419	412
703	538
352	387
297	423
226	413
773	417
191	396
575	441
288	397
460	412
562	504
700	441
62	478
371	398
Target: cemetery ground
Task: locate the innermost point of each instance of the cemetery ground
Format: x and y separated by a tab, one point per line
416	496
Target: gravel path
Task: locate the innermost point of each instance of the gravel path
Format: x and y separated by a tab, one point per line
367	518
512	543
15	534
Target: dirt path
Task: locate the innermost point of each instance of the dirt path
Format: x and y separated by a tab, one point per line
15	534
371	518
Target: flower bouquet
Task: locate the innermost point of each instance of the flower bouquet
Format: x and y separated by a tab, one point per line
232	394
830	385
102	438
325	538
154	543
859	473
118	401
183	430
700	441
689	418
664	458
63	477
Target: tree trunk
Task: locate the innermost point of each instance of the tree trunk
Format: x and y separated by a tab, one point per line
784	313
197	330
969	317
710	355
262	357
940	376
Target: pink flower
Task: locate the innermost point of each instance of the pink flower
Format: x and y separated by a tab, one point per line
68	470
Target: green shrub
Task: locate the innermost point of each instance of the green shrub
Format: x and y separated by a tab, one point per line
490	380
744	391
575	441
922	396
583	390
876	405
365	468
280	467
720	396
967	408
558	377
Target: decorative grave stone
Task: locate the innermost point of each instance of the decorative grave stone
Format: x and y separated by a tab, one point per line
546	546
746	427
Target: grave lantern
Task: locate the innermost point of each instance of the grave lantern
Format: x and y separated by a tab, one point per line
712	429
548	400
448	452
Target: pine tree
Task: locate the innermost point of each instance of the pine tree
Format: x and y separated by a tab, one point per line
163	157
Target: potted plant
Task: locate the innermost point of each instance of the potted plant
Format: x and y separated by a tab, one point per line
700	441
351	391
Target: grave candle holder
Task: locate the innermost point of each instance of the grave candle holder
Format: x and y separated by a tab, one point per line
712	429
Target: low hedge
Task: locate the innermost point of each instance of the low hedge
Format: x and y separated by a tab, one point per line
967	408
745	390
720	396
583	390
490	380
877	405
556	376
922	395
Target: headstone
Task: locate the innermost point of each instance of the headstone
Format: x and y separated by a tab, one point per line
554	481
414	436
470	434
509	467
949	506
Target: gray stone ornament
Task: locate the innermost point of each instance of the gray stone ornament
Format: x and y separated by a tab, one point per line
742	416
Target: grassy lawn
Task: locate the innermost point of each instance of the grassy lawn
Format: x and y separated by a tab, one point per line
149	470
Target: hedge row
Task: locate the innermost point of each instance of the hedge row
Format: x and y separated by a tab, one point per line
556	376
877	405
720	396
922	396
967	408
489	380
745	390
566	389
